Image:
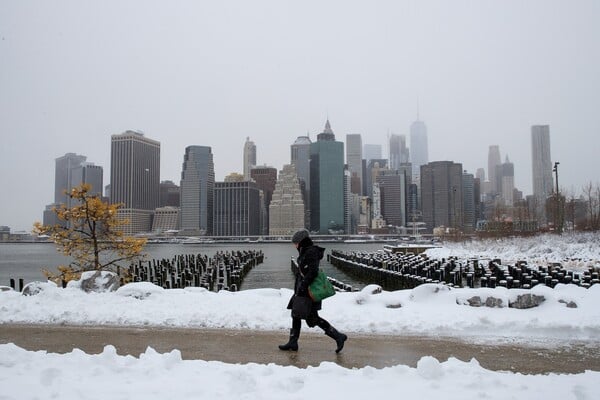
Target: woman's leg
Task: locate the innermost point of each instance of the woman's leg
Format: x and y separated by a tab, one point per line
292	343
330	331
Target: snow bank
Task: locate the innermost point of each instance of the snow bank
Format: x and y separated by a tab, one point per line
107	375
567	312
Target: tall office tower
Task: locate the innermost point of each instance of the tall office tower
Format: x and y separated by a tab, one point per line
493	162
364	176
506	178
286	211
442	194
49	217
398	151
480	174
354	160
478	200
85	173
236	209
197	189
372	152
392	186
347	201
364	223
327	183
413	210
469	203
300	157
63	172
419	149
373	168
249	157
135	178
169	195
541	168
90	174
377	221
265	178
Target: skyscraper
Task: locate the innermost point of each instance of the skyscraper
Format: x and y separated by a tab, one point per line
419	149
494	161
392	186
442	194
135	178
286	211
469	203
91	174
354	159
541	168
63	176
249	157
507	182
197	187
541	161
327	183
236	209
300	158
398	151
373	168
169	194
265	178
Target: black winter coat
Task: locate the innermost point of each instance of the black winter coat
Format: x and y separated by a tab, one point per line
309	256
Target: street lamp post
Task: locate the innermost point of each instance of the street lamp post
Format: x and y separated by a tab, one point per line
558	224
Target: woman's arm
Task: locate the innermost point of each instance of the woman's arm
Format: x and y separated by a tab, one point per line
311	260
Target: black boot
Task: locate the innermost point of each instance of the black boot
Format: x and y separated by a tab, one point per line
339	338
292	344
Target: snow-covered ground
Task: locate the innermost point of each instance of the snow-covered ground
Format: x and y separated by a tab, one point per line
568	313
76	375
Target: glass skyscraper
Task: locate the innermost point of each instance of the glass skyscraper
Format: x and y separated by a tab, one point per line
197	186
327	183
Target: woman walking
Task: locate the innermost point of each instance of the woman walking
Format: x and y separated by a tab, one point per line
308	260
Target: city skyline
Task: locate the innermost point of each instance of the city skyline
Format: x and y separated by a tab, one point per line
214	74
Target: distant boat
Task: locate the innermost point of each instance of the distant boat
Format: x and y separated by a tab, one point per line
355	241
196	241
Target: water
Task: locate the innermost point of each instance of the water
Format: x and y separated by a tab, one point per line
27	260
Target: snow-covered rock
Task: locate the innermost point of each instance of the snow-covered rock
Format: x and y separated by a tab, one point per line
527	300
96	281
140	290
33	288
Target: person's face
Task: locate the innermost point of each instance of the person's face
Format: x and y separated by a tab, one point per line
296	245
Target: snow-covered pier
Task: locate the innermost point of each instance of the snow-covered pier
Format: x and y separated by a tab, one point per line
394	271
223	271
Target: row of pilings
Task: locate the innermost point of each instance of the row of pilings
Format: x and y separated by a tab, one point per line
394	271
223	271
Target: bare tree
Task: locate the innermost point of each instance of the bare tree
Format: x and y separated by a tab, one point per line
591	194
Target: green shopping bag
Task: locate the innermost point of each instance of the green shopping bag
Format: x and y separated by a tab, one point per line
320	288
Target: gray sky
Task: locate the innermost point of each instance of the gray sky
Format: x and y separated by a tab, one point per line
72	73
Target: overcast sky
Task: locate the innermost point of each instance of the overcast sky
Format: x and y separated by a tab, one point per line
73	73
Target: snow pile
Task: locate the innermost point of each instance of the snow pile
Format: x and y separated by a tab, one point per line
576	251
566	312
107	375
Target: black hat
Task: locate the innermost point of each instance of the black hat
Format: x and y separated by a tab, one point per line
300	235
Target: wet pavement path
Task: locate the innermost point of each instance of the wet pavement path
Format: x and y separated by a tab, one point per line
249	346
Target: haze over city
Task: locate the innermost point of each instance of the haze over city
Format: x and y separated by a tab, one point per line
480	74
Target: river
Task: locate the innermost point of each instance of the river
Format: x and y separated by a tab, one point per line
27	260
